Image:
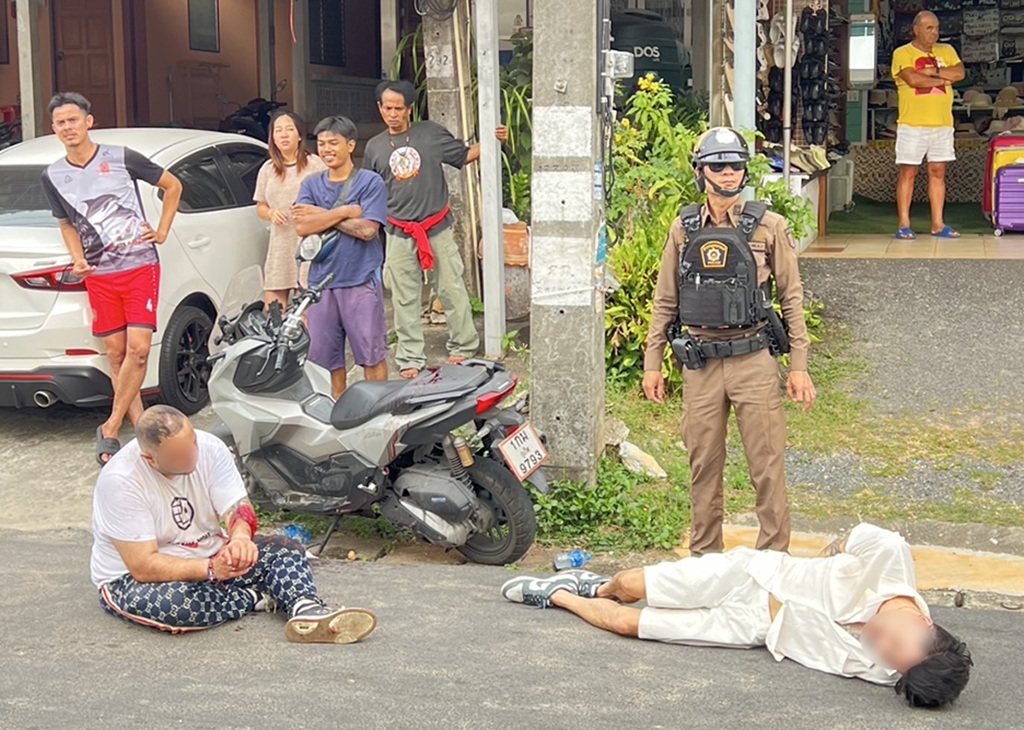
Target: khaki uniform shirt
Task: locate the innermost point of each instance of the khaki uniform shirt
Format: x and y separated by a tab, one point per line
775	256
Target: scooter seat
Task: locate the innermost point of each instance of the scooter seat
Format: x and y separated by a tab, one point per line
367	399
364	400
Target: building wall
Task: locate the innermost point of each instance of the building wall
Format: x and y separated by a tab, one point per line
180	90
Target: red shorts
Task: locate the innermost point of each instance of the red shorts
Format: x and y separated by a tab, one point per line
124	299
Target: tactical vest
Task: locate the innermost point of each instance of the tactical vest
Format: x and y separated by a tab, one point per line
718	273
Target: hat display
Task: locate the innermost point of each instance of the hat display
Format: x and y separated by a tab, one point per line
1008	97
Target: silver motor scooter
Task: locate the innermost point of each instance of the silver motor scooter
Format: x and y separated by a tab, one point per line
435	455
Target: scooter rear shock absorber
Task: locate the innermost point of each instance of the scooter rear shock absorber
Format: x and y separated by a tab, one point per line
456	450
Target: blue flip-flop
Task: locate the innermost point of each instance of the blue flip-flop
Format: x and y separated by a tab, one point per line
946	232
905	234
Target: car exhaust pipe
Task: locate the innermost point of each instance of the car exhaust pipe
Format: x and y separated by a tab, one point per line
44	398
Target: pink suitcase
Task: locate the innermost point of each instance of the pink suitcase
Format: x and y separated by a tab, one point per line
1008	206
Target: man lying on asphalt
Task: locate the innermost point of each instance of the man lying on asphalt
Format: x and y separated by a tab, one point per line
162	558
855	613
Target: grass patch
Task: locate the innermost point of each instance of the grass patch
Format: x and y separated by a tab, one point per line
966	507
843	420
623	512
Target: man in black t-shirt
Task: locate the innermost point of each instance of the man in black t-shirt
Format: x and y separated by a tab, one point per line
420	244
93	192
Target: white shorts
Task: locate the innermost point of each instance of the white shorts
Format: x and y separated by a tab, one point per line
706	601
914	144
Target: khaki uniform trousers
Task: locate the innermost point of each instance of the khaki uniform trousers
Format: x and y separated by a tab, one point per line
403	277
750	385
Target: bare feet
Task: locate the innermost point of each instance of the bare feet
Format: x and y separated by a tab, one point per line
410	373
456	360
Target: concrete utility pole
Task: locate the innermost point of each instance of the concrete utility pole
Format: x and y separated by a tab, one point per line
30	86
492	231
446	49
567	311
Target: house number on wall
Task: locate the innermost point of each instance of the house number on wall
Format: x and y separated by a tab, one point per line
440	63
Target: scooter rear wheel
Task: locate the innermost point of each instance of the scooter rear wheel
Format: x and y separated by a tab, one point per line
515	526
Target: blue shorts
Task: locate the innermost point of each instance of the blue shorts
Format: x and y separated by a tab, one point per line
354	314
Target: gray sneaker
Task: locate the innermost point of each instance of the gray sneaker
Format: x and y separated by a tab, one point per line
538	591
587	583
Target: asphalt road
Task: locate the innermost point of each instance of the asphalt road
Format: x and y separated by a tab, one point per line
449	653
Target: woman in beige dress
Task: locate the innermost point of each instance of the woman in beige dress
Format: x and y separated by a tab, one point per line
277	188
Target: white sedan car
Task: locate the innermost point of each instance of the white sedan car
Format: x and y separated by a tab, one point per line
47	351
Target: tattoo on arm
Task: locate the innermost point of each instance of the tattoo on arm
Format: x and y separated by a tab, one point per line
359	228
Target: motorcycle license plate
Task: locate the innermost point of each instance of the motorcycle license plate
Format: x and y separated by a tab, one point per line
524	452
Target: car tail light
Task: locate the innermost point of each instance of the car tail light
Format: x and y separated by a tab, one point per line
80	353
59	278
487	401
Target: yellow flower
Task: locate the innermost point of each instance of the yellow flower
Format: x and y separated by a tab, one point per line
655	86
625	123
618	137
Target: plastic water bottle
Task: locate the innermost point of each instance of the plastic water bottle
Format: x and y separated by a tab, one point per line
296	533
572	559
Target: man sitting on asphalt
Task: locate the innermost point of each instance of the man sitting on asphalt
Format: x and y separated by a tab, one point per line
162	557
855	613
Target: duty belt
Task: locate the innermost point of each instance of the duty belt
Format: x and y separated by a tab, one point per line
733	348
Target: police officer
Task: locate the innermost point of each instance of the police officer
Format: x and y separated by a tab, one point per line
713	304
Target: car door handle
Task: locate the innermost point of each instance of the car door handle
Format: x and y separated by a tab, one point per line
200	242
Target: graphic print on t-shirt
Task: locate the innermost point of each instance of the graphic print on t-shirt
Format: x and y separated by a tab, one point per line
101	201
405	163
921	64
182	512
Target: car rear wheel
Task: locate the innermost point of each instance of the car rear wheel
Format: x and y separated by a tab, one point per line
184	371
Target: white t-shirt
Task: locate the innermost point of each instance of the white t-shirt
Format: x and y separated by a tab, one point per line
135	503
821	596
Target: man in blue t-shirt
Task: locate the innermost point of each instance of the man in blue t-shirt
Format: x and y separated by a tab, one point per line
354	202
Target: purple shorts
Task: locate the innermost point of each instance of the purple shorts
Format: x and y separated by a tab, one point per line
352	313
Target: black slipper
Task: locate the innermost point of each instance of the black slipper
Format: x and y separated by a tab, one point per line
105	447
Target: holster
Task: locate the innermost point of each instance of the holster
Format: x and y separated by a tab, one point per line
778	333
687	351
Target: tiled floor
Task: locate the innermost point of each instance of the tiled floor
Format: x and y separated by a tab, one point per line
924	247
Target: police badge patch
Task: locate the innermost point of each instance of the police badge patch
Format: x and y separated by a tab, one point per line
714	254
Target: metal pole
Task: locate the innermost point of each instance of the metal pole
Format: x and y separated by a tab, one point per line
28	69
490	177
787	94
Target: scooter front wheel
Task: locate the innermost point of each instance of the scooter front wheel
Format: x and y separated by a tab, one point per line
514	527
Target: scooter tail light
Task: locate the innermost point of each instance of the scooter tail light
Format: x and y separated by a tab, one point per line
489	400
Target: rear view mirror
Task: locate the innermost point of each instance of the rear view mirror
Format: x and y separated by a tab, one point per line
317	246
310	247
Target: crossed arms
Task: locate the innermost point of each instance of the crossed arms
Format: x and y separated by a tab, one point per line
310	219
932	76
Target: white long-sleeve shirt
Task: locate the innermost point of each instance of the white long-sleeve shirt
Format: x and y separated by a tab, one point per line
822	597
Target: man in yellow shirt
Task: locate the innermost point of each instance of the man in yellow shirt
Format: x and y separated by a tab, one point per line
925	71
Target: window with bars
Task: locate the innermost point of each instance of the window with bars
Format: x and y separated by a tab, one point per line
327	32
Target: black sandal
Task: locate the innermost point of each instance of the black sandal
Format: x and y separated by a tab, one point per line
105	447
